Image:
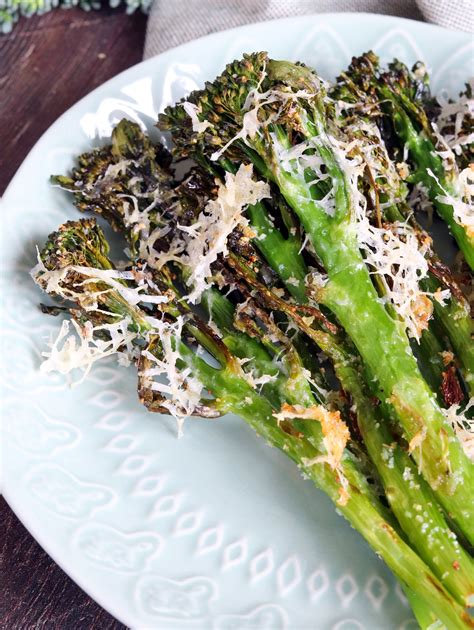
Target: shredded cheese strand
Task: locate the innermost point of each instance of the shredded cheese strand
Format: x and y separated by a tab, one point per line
182	390
221	216
335	437
81	348
463	426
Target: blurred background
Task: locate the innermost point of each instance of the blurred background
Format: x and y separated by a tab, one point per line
48	62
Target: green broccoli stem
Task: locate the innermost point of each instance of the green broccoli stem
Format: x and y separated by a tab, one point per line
382	343
424	156
410	498
430	361
423	613
270	242
455	322
453	318
288	384
437	451
286	252
221	312
235	395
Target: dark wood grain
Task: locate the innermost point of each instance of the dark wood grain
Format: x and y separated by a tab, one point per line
35	593
49	62
46	64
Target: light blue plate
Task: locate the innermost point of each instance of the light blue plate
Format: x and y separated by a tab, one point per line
215	530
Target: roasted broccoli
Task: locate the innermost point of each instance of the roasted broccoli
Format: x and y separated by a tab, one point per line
285	278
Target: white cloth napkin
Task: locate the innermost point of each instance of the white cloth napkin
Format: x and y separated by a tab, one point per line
173	22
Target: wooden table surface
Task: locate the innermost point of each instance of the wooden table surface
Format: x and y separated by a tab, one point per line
47	64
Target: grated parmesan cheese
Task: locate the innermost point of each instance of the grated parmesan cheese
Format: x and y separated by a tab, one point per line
462	200
257	382
192	111
52	281
452	117
217	221
335	437
182	391
463	426
81	348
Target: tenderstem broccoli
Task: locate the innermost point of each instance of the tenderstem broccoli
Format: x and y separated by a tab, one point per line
403	99
303	440
284	278
273	115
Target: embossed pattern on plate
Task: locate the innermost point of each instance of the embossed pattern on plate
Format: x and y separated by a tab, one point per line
215	530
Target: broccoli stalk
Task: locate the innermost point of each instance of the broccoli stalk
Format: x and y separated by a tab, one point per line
384	185
74	264
279	390
410	498
431	173
236	396
286	120
231	392
404	99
